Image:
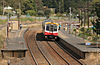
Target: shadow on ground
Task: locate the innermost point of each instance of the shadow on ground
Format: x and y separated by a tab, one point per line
40	37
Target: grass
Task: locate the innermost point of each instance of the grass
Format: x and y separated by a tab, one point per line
27	19
3	21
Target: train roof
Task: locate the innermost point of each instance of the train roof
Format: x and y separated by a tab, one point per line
52	23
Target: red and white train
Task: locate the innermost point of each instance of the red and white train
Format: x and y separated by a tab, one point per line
50	29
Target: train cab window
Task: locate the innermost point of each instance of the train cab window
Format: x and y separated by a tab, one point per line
50	27
47	27
55	27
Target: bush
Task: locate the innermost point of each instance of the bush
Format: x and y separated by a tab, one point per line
81	35
96	26
31	12
47	12
40	13
82	29
95	38
27	19
74	30
3	21
88	32
59	15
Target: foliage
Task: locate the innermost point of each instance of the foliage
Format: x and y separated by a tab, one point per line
3	21
96	26
29	5
81	35
97	9
96	23
94	1
31	12
59	14
38	5
82	29
60	6
74	30
95	38
27	19
84	33
47	12
88	30
40	13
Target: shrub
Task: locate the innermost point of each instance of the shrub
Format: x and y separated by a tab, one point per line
3	21
27	19
88	32
95	38
47	12
59	15
31	12
82	29
40	13
96	26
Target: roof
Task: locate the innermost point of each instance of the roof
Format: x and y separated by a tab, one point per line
51	23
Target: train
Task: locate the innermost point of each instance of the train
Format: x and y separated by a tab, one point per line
50	29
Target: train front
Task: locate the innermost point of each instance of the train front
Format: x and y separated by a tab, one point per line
51	30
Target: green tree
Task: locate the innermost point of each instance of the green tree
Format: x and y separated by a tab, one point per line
38	5
29	5
31	12
47	13
96	26
97	9
97	23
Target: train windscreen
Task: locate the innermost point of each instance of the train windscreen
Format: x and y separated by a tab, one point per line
51	27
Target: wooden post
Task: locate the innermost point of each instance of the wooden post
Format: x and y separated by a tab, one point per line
2	53
12	53
24	53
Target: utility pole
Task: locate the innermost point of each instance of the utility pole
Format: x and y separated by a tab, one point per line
19	14
70	18
3	8
70	13
8	27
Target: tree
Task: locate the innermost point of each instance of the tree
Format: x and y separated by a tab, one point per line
97	23
97	9
96	26
47	13
29	5
38	5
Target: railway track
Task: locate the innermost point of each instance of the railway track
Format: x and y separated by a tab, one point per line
47	52
64	54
